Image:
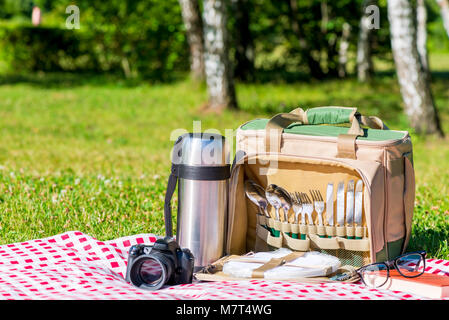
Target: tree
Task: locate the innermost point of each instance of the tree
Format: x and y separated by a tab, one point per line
219	73
444	8
364	61
312	62
191	16
343	50
421	34
414	84
244	48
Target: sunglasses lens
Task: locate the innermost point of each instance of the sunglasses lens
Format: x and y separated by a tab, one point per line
411	265
374	275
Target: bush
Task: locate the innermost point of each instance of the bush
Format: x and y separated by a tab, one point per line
154	49
28	48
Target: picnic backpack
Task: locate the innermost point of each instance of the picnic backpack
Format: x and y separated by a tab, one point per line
307	150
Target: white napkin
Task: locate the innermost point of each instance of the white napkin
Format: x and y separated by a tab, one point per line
312	258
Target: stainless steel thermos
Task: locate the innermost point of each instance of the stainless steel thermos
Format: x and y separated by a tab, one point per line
200	166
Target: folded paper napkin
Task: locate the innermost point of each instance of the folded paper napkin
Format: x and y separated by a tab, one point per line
311	264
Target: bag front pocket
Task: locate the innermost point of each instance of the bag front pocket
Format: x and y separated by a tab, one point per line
302	174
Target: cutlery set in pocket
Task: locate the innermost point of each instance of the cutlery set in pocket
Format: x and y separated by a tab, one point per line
306	214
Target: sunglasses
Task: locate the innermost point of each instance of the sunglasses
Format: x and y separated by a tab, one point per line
409	265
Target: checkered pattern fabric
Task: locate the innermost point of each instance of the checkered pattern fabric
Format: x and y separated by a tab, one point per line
74	265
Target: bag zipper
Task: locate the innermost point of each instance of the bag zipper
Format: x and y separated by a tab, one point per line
303	157
287	136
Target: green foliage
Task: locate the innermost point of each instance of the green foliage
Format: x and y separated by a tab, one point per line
27	48
15	8
147	38
138	38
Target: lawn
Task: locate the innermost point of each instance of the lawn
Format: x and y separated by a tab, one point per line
93	153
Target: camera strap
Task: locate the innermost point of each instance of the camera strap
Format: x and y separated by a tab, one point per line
171	186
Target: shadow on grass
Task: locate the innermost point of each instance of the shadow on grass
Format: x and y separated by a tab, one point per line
68	80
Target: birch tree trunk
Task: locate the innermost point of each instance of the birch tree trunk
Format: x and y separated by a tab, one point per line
194	29
219	73
343	50
421	34
444	8
364	61
414	84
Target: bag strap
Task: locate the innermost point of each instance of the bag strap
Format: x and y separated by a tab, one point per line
319	116
275	262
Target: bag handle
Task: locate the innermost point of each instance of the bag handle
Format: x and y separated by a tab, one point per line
319	116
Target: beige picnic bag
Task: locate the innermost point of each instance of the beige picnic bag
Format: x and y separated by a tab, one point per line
306	150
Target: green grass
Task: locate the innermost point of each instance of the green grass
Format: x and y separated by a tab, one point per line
93	153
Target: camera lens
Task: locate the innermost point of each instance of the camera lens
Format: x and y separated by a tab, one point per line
151	271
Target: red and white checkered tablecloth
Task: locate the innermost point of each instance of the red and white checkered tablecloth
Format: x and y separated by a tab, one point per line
76	266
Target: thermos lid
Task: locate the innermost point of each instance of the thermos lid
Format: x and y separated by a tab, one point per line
201	149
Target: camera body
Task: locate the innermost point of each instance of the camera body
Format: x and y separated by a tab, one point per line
152	266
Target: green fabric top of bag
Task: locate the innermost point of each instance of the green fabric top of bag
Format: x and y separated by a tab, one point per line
329	115
328	131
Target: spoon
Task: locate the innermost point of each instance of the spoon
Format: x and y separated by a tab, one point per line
273	199
256	194
286	200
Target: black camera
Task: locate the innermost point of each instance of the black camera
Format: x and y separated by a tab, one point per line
164	262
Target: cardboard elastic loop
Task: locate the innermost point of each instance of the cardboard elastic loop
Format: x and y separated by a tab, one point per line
360	232
321	230
303	229
330	231
311	229
294	228
341	231
286	227
350	231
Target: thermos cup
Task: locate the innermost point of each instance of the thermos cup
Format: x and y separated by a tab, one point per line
200	165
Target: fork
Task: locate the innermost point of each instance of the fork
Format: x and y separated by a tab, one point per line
319	207
296	205
307	209
319	204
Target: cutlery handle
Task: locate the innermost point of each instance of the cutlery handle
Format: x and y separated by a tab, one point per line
302	231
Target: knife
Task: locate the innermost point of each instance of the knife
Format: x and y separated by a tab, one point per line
358	204
330	205
350	206
341	204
